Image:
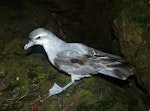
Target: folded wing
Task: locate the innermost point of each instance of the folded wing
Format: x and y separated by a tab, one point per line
93	62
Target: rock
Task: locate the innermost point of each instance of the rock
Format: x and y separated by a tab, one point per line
132	27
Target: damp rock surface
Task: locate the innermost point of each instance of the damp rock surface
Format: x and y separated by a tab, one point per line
132	27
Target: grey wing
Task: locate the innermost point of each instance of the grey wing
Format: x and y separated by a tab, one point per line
78	66
110	56
115	65
68	54
73	62
93	62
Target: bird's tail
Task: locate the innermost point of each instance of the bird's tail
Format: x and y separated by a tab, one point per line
118	70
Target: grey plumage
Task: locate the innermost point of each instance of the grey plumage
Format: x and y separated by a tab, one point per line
93	62
78	60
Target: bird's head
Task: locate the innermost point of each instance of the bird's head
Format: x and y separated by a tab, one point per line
40	36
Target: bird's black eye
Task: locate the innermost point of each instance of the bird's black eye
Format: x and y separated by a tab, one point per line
38	37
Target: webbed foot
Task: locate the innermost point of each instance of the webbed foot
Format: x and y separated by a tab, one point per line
56	89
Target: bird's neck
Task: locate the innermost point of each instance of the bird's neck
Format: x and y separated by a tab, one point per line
52	48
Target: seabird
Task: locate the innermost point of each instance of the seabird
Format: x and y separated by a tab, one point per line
77	60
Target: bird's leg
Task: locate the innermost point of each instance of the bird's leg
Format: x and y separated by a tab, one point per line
56	89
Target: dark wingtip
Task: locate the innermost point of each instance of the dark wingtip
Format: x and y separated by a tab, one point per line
123	72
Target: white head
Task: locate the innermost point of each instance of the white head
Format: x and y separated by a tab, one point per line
42	37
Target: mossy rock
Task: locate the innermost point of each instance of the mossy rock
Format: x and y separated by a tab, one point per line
29	77
132	30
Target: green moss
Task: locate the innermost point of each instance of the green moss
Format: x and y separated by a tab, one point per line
133	33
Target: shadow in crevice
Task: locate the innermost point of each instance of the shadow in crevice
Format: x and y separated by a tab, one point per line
141	88
37	49
116	81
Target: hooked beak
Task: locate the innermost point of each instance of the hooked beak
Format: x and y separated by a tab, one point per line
28	45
